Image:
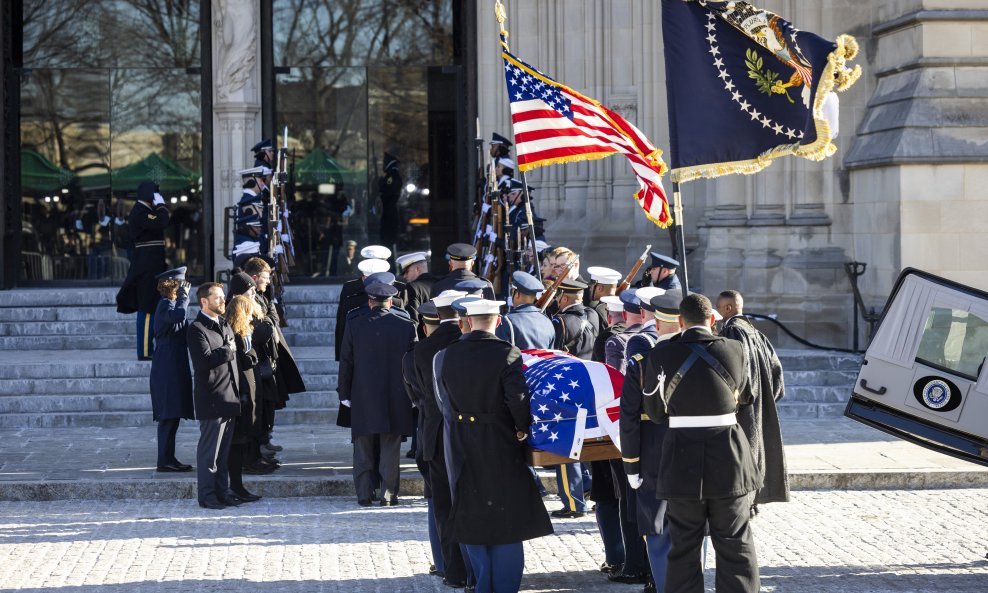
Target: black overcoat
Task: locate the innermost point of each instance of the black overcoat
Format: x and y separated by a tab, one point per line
370	373
485	400
760	420
417	292
701	463
352	296
216	376
449	282
430	416
171	377
139	291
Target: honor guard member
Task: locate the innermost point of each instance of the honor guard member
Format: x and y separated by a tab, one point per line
514	198
461	257
500	147
351	293
250	226
648	336
414	271
443	331
264	156
661	274
614	324
642	454
576	327
148	220
371	384
389	188
482	393
382	278
472	287
505	171
526	326
603	282
695	382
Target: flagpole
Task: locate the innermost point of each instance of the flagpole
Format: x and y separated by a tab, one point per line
677	200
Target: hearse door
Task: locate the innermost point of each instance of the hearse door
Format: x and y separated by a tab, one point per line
924	377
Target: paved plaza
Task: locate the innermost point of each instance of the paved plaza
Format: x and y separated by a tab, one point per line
826	542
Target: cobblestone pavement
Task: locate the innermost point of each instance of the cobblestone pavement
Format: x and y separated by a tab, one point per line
827	542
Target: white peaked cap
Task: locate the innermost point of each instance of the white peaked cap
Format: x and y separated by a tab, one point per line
375	252
603	275
717	315
373	266
613	303
446	297
483	307
408	259
646	294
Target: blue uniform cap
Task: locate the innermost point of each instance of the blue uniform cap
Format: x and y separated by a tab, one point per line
262	145
173	274
526	283
380	292
382	277
461	252
471	286
631	302
499	139
428	312
664	261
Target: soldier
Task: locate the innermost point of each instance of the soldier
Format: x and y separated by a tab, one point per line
264	156
648	335
526	326
696	381
485	402
765	378
371	384
461	257
148	220
389	188
442	330
661	274
603	282
250	227
383	278
352	291
500	147
414	271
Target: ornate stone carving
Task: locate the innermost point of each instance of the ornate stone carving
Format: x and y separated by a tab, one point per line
235	31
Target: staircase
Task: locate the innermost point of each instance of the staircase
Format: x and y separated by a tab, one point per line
67	358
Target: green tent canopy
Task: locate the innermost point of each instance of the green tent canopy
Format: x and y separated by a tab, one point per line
318	167
39	175
169	175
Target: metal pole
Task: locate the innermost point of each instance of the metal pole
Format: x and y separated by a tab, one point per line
531	227
677	199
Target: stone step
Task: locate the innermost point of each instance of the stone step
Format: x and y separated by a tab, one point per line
133	368
806	411
131	402
818	394
34	298
82	386
121	341
821	378
810	360
290	415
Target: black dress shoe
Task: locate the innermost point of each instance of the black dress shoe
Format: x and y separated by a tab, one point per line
410	454
435	572
389	503
185	467
231	500
212	504
245	496
609	568
454	584
364	502
567	514
172	468
649	587
470	589
628	579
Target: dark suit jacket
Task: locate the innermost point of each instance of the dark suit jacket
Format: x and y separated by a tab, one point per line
215	365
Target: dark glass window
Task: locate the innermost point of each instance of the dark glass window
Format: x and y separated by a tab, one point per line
109	98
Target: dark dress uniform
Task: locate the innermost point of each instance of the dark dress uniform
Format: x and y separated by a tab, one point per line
171	376
251	223
485	400
417	292
217	403
352	296
370	378
449	282
706	469
431	443
139	293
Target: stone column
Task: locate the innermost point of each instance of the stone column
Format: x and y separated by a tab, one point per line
236	104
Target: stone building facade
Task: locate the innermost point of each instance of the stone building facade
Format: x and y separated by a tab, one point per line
906	187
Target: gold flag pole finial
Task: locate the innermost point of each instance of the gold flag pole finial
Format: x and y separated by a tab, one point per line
501	14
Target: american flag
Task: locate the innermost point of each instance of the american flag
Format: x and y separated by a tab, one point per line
572	400
555	124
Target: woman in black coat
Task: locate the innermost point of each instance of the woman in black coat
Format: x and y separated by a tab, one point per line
171	377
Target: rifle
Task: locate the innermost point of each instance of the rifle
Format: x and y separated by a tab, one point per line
486	203
634	271
276	248
550	292
286	225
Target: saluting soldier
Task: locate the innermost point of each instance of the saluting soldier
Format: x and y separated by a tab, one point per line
148	220
371	384
485	402
526	326
661	274
641	440
696	382
461	257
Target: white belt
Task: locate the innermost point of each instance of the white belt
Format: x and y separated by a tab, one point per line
703	421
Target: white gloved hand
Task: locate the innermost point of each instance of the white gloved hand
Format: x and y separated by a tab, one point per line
158	199
105	221
345	402
635	481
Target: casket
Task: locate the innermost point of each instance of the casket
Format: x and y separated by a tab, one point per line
597	449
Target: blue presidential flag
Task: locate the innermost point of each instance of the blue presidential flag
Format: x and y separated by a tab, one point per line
745	87
567	394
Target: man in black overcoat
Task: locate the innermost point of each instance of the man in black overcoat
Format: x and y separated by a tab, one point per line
352	293
148	220
443	330
461	257
760	420
213	351
413	269
485	401
696	381
371	384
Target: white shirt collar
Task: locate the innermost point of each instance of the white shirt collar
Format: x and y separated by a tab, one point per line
210	317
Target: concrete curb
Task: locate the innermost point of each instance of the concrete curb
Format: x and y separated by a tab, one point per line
292	486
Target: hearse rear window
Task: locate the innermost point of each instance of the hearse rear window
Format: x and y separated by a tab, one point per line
954	341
